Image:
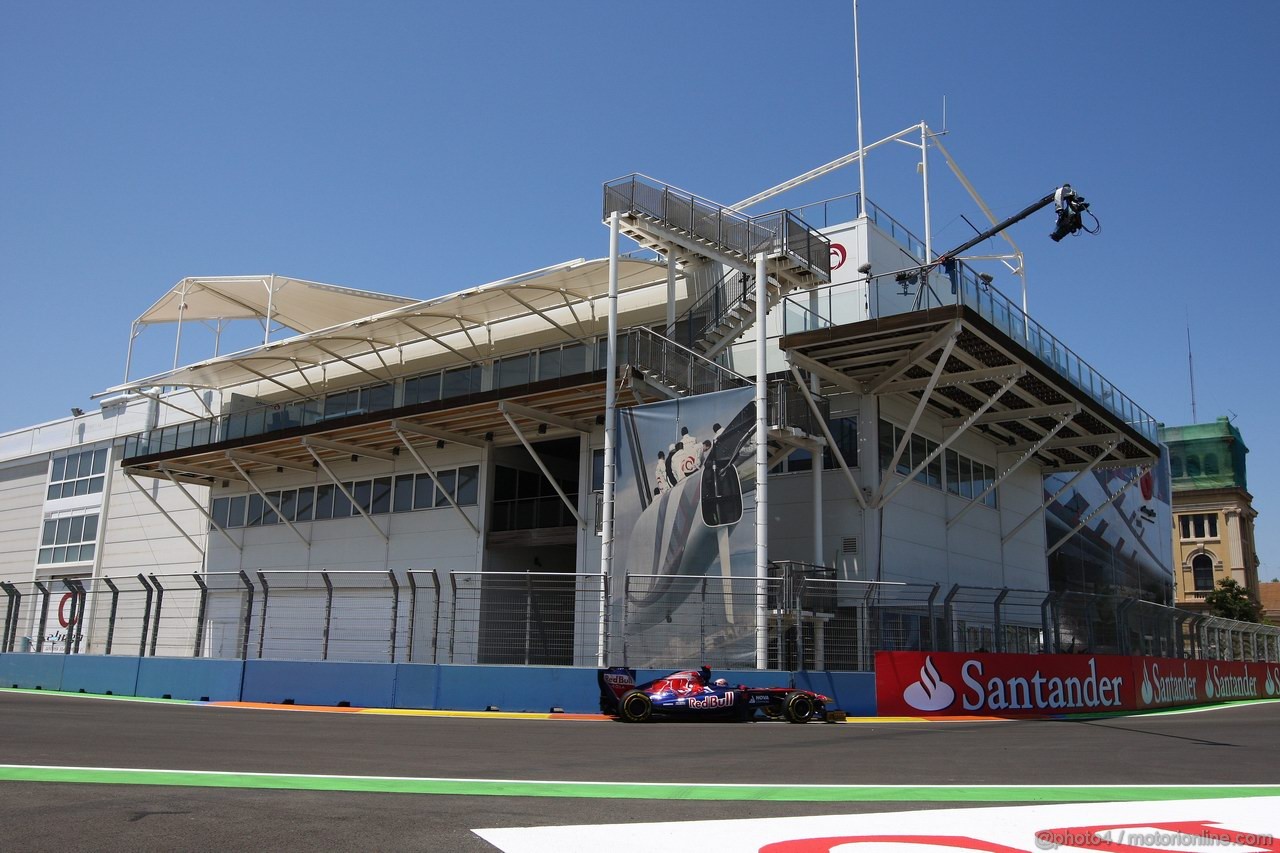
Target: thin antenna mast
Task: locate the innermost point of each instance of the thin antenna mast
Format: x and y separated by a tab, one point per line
857	83
1191	371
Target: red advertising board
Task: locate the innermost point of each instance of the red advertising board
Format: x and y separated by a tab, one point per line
1006	685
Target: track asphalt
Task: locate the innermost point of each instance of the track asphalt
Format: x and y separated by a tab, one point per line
252	778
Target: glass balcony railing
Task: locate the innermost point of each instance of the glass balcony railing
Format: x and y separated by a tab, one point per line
832	305
571	363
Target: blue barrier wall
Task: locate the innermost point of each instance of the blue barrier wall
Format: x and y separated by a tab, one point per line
100	674
378	685
32	670
191	678
363	685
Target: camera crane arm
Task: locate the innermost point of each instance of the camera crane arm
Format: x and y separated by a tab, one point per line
1070	206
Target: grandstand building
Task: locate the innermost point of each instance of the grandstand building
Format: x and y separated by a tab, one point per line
911	419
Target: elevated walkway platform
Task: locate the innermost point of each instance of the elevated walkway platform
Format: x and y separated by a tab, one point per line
1009	379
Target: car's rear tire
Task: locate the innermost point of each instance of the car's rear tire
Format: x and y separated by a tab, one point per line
635	707
799	707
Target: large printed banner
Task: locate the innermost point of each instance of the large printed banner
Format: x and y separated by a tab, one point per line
981	684
684	540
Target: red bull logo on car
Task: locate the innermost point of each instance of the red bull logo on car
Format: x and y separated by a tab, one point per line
725	701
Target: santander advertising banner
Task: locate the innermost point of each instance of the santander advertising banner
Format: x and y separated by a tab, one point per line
1007	685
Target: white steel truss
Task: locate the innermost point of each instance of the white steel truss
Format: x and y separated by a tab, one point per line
398	428
582	522
266	502
155	503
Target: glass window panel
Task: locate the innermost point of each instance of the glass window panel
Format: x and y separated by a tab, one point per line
86	551
63	531
219	512
269	515
305	504
60	554
460	381
59	468
235	511
337	405
83	465
1213	527
800	460
917	456
885	444
90	527
1185	522
82	488
597	470
55	492
402	499
289	505
76	533
549	363
423	492
447	479
468	485
966	477
381	495
341	503
512	371
422	389
363	493
255	511
573	360
376	398
95	485
952	472
933	473
1198	522
46	556
50	527
324	501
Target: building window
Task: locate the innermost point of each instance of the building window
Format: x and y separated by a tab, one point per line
1199	525
70	539
77	474
377	496
958	474
1202	571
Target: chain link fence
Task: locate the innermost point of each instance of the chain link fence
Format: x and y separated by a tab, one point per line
799	617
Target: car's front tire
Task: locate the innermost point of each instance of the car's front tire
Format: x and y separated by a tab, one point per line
799	708
635	707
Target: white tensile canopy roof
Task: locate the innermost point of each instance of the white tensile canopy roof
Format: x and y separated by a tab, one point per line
470	324
305	306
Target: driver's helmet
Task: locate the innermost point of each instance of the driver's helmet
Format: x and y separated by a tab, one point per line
720	682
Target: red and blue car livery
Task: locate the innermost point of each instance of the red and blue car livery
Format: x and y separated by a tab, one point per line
691	693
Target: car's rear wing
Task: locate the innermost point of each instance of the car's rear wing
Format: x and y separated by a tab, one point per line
614	681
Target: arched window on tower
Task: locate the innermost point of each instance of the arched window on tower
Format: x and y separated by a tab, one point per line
1202	572
1211	463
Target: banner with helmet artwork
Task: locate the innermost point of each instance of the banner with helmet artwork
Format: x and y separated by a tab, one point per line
684	541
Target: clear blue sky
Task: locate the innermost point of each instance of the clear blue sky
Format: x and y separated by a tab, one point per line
421	147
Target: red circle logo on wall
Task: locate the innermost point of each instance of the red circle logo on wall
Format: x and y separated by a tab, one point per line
838	256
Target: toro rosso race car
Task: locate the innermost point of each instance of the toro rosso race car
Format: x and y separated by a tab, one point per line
692	694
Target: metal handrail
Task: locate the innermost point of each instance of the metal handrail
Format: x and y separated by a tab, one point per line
676	365
731	230
1002	312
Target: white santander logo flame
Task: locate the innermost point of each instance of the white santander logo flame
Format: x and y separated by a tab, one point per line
930	693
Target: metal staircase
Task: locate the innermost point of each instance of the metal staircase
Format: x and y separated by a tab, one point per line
659	216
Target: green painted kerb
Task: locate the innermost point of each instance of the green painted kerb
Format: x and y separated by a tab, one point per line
622	790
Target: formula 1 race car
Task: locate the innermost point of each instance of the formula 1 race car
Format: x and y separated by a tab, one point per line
691	693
